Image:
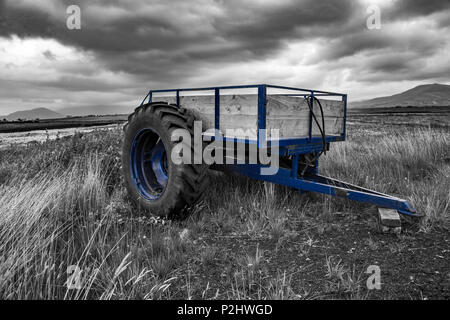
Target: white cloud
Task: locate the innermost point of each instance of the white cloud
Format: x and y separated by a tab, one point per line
30	79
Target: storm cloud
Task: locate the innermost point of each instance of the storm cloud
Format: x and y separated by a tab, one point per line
126	47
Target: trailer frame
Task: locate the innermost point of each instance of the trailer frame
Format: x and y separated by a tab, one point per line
294	148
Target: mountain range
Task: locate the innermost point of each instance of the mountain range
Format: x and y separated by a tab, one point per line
427	95
38	113
97	110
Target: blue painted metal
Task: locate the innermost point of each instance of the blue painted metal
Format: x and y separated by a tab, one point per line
287	147
311	115
308	180
326	93
159	163
217	109
148	165
344	133
316	183
294	170
262	100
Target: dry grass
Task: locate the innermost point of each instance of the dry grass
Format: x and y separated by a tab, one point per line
73	213
412	163
62	203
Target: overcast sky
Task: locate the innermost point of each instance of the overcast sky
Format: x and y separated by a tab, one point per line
125	48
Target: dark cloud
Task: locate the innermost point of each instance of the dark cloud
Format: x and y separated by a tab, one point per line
264	29
238	30
164	46
130	38
393	62
49	55
425	43
26	22
415	8
166	43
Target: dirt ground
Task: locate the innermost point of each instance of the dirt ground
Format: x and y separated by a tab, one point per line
413	265
327	256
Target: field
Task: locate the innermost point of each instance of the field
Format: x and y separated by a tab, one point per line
65	215
62	123
431	117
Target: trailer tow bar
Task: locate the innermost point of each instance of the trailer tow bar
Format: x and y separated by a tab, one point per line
328	186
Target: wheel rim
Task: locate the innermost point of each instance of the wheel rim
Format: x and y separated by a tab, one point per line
149	165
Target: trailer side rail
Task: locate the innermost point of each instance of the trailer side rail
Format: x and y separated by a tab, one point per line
262	103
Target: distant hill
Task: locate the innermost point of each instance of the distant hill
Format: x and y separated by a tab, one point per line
38	113
96	110
421	96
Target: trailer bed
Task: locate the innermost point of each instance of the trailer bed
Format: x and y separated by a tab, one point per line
288	114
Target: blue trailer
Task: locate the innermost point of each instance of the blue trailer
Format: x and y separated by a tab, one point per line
166	188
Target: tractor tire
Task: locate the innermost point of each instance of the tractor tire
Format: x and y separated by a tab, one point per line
154	182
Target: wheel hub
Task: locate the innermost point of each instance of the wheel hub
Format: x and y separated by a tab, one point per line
149	165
